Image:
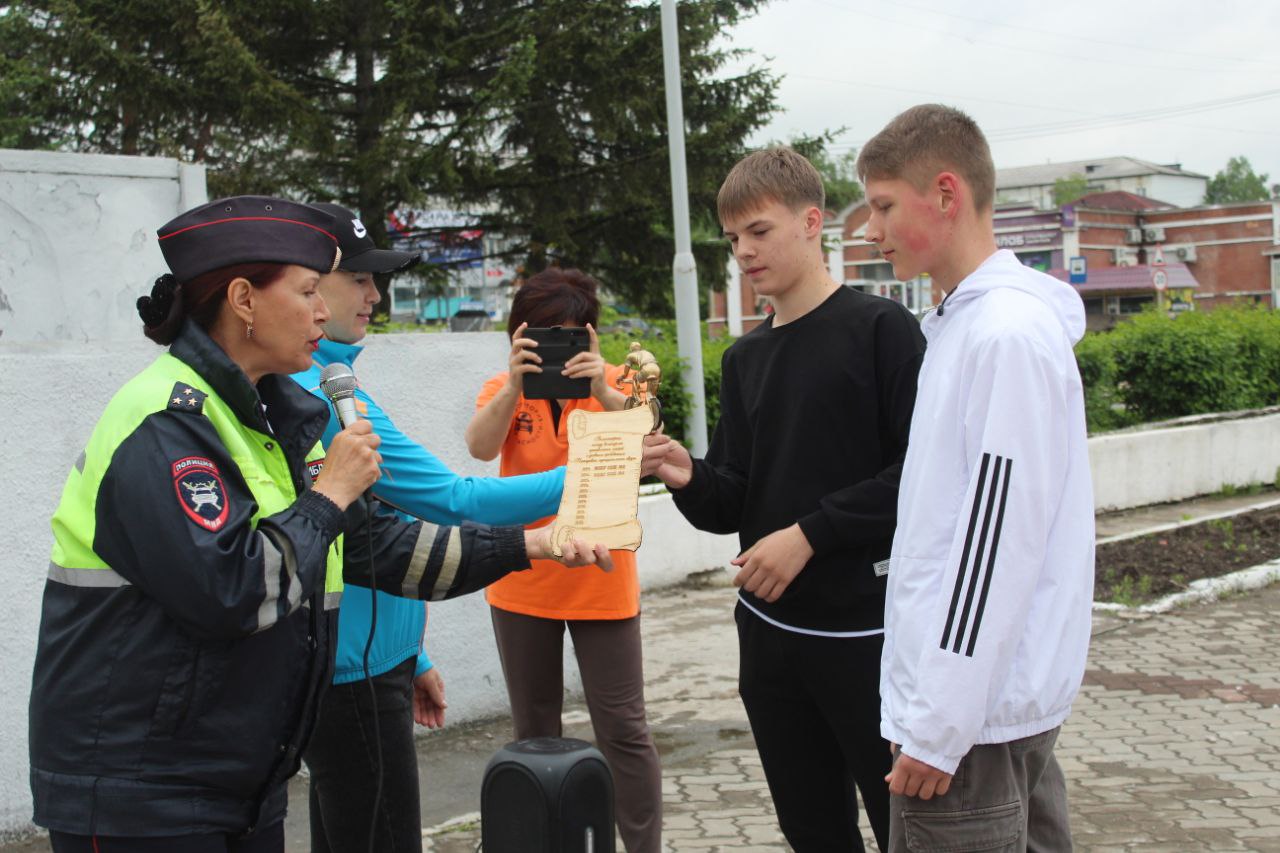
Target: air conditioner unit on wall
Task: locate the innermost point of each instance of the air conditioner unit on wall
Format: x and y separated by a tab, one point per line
1123	258
1184	254
1153	234
1133	235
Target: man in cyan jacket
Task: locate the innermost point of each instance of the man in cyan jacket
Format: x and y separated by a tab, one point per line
987	613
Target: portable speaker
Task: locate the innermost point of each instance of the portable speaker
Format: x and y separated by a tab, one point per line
547	795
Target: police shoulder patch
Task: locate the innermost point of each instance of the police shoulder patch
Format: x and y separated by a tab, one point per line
186	398
200	491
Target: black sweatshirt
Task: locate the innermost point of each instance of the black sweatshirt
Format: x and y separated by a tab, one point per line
814	417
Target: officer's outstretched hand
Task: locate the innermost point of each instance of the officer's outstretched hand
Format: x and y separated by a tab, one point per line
537	544
351	465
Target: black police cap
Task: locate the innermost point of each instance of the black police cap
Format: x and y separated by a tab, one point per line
249	229
359	254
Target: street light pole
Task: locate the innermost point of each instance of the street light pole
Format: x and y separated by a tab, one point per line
684	270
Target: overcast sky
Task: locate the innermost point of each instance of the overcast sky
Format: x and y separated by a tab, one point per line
1047	82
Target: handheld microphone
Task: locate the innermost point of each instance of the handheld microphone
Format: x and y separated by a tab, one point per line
338	383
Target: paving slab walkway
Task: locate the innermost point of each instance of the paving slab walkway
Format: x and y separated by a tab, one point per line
1172	745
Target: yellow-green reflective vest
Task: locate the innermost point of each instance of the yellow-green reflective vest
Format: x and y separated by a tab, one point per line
266	472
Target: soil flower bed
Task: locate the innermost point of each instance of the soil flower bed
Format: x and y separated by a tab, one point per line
1134	571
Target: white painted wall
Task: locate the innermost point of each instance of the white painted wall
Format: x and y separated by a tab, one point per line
77	240
1179	190
52	394
1184	458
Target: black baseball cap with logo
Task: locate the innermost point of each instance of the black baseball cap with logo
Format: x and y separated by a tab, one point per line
359	254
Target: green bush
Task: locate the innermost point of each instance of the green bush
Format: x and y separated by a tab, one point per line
1103	408
1155	367
1257	335
1190	364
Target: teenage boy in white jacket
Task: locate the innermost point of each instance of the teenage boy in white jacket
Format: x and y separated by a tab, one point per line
987	613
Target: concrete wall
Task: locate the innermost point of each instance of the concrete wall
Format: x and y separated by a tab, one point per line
53	393
1183	458
77	240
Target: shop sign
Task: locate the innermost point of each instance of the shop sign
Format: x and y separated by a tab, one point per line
1024	239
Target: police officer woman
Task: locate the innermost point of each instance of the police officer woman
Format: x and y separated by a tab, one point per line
189	612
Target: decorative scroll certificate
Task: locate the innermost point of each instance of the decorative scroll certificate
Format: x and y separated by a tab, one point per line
601	482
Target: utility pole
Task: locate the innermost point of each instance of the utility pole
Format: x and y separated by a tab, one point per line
685	271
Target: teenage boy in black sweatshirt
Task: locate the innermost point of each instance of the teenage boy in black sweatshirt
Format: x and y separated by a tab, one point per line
815	406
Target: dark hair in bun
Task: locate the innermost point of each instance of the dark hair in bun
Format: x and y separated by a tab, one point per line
171	302
162	311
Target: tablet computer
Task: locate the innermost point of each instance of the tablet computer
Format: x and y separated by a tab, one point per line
556	345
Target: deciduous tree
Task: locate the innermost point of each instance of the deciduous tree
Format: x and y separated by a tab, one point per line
1236	182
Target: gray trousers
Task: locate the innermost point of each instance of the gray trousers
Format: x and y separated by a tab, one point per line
1003	797
608	652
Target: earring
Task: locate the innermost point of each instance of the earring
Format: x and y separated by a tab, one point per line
248	332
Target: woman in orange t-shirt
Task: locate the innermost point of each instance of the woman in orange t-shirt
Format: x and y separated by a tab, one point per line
531	609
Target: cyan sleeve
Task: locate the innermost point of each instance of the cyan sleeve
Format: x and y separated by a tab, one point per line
415	481
424	663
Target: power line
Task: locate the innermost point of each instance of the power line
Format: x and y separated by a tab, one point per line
1162	49
1035	51
1092	121
929	93
1120	119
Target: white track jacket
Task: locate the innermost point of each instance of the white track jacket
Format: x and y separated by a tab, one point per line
991	576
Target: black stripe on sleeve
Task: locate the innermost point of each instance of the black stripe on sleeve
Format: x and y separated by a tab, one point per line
975	570
991	562
968	543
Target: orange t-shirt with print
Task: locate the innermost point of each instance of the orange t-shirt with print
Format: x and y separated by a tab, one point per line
549	590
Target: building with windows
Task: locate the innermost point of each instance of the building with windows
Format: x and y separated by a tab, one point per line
1034	184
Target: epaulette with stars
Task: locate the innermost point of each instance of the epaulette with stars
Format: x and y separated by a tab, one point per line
185	398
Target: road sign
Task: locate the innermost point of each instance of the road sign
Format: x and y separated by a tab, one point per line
1078	270
1159	279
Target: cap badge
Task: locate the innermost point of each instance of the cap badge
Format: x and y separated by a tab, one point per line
361	232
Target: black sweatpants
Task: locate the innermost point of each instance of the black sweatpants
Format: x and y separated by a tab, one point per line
342	758
814	707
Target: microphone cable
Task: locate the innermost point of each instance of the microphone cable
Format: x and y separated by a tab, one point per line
338	383
373	693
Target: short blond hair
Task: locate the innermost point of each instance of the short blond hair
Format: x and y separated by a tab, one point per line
928	139
774	174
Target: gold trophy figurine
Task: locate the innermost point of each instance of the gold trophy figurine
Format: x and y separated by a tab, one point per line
641	371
